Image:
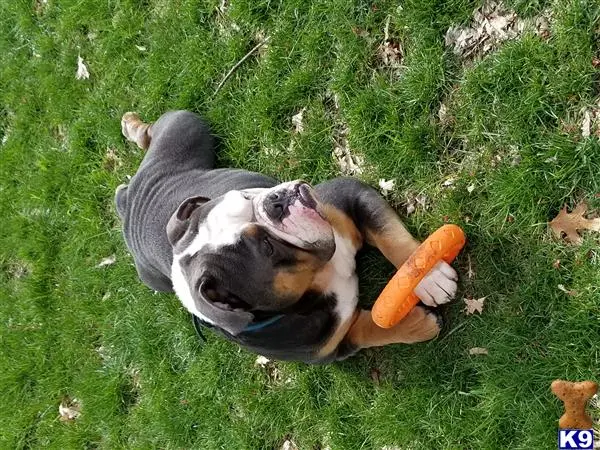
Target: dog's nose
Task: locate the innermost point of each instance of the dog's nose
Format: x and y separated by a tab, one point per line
276	204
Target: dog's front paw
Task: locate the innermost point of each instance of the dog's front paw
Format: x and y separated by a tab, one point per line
438	286
129	123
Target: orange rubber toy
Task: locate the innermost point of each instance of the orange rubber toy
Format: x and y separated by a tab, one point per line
397	298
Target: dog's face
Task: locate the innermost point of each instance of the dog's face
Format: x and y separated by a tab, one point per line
247	251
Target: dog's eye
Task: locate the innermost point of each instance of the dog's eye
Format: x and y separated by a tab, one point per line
268	247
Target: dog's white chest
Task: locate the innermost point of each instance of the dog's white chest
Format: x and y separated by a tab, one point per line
340	277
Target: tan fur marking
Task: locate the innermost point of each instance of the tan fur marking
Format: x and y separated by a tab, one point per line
343	224
251	230
295	282
394	241
417	326
337	337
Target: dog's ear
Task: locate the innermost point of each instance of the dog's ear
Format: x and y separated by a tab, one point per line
228	311
181	219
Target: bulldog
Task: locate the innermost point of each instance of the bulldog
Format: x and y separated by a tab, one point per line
270	266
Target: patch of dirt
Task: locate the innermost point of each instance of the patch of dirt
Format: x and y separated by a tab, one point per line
40	6
492	24
17	269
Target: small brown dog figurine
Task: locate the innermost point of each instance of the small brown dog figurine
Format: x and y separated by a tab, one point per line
575	396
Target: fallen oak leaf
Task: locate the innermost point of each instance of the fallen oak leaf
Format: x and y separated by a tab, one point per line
473	306
569	223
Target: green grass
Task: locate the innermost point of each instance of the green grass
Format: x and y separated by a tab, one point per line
131	357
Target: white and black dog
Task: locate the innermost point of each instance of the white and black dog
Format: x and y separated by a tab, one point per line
271	266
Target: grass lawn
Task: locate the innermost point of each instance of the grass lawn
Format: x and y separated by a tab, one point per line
501	160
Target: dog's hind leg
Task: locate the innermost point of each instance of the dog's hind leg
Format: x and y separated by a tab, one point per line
178	138
135	130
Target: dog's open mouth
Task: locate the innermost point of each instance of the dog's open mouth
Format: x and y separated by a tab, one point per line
306	196
299	220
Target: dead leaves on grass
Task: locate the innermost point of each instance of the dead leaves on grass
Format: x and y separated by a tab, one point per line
274	375
390	52
111	160
492	24
288	444
386	186
298	121
569	224
69	409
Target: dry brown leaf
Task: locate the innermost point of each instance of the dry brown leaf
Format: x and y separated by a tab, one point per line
386	186
289	445
375	375
69	409
111	160
443	115
350	163
478	351
390	54
261	361
274	375
569	292
82	70
109	260
556	264
569	223
473	306
298	121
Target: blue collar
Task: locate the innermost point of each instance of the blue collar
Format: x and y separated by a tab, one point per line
265	323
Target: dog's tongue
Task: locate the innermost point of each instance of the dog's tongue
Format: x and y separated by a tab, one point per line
306	222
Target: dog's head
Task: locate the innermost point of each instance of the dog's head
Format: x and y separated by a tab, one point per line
248	252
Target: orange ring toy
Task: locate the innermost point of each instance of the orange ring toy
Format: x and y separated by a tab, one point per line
397	298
